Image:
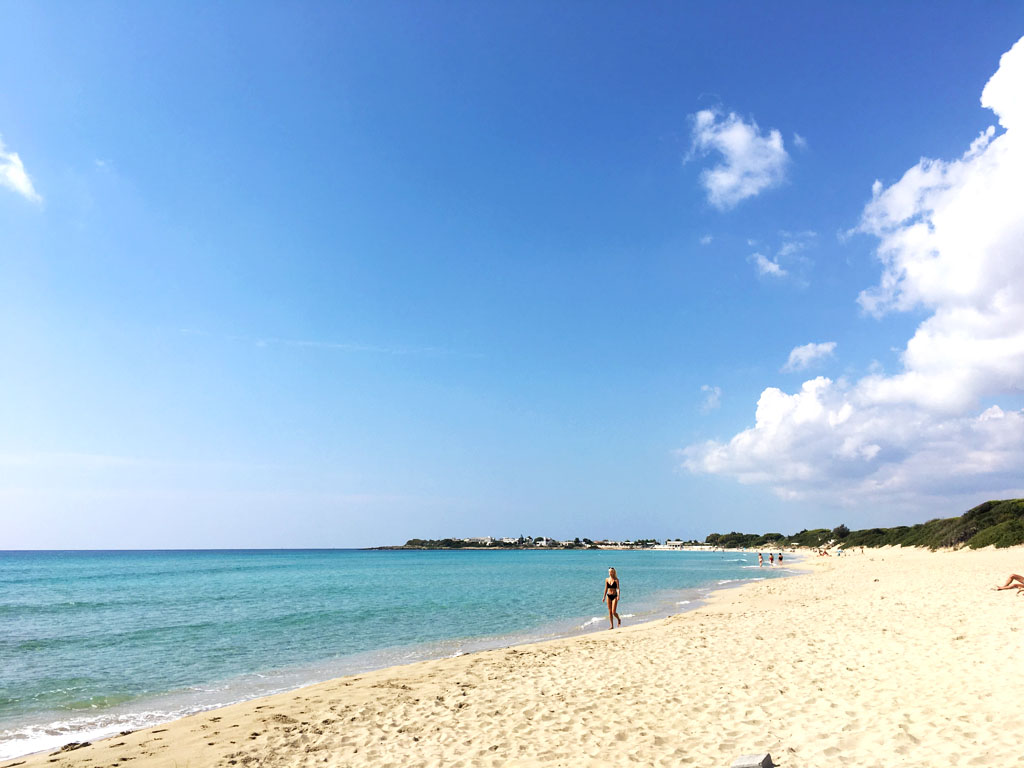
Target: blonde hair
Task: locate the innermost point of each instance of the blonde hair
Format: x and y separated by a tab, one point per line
614	574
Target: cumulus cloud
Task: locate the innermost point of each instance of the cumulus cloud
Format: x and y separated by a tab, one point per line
712	397
951	243
751	161
801	357
14	177
766	266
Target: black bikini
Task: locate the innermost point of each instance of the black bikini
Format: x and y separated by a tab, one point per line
613	589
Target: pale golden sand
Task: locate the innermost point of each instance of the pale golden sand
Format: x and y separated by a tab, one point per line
884	659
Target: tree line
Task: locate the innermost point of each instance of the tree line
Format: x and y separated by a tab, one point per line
994	523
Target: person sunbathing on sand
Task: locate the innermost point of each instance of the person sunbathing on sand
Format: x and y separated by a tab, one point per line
1014	582
611	596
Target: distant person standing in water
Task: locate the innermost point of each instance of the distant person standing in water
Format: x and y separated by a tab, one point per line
611	596
780	558
760	560
771	559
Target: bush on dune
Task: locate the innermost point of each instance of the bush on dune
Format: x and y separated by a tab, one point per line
994	523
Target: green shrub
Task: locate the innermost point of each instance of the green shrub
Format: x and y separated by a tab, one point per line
998	523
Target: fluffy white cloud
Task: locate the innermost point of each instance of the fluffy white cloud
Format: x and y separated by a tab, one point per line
802	356
13	175
712	397
766	266
752	161
951	242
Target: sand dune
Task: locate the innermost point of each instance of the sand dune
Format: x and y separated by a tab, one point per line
888	658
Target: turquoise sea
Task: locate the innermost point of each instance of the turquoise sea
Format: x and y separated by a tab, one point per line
92	643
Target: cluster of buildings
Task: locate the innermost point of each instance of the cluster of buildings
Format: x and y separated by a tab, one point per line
543	541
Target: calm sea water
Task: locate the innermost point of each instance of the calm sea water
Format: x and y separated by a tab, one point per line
92	643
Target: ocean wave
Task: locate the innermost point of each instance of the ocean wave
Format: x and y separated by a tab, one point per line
684	602
592	620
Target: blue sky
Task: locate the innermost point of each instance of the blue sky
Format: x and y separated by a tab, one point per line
325	275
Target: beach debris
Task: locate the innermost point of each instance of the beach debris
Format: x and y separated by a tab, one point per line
761	760
71	746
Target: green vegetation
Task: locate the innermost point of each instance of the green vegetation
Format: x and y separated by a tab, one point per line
816	537
737	540
994	523
437	544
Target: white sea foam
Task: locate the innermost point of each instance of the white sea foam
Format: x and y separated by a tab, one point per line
683	602
26	740
593	620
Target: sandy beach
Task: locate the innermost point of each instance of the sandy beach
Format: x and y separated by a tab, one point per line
891	657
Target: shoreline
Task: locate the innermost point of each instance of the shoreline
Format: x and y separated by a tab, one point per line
161	709
894	657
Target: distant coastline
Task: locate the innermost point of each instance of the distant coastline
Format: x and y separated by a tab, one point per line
544	543
998	523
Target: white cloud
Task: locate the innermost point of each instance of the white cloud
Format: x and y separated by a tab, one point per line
788	260
951	243
751	161
799	141
795	242
706	240
712	397
801	357
14	177
766	266
337	346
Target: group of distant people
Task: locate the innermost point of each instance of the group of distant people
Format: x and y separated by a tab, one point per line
771	559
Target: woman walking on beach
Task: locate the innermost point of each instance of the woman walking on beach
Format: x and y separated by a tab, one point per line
611	596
